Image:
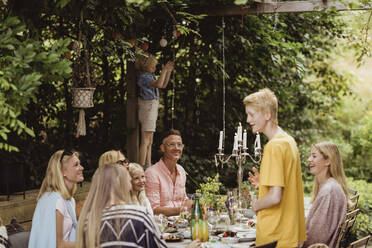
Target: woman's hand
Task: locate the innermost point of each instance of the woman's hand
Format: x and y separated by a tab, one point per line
194	244
254	179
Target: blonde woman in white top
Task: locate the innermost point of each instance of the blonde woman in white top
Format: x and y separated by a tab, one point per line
138	186
54	222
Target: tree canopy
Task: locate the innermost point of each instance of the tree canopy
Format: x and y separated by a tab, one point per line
288	53
45	45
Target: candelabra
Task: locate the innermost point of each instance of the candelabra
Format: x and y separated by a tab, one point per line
239	152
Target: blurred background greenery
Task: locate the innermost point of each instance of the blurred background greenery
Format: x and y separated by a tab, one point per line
318	64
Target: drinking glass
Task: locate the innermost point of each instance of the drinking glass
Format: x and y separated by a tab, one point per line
161	221
212	219
184	212
224	221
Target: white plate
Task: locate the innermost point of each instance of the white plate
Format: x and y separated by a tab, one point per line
246	235
229	240
173	218
245	228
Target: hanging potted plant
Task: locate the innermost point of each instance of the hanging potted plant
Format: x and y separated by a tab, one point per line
83	85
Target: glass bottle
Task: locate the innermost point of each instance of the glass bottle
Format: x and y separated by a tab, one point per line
195	220
204	237
196	229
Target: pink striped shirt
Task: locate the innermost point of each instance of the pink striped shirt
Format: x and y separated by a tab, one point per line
160	189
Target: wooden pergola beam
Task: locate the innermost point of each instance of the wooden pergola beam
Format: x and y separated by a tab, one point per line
279	7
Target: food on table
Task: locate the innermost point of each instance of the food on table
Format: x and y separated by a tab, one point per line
172	237
229	234
251	223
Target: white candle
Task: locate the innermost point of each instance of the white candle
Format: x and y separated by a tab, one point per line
258	141
240	132
220	140
235	148
245	139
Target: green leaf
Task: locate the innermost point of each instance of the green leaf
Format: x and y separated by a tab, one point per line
29	132
62	3
240	2
4	136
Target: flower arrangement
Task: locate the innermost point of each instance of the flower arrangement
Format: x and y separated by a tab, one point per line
210	194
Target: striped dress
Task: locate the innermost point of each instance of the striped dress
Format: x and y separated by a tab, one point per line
129	226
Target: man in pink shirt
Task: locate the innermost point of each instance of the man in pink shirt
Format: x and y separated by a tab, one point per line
165	180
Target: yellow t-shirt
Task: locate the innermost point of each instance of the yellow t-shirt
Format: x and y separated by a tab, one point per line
284	222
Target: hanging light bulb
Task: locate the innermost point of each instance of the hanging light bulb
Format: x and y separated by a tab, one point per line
163	42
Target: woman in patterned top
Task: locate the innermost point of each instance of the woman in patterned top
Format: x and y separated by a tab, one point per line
108	219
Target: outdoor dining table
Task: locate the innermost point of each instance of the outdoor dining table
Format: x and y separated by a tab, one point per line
211	244
217	242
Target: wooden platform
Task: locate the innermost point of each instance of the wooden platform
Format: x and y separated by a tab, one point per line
23	209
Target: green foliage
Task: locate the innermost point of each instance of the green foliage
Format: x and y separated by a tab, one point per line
289	53
211	196
24	64
247	186
363	224
349	126
359	163
359	41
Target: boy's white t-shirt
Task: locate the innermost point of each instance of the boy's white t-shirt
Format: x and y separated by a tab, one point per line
67	220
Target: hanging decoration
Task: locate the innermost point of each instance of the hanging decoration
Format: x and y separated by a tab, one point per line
176	33
145	46
83	90
163	42
82	98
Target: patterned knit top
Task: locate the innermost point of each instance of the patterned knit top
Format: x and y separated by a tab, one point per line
129	226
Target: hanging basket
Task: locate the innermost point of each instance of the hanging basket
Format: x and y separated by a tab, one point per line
82	97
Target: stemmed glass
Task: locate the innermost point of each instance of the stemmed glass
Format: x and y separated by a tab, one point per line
212	219
224	221
161	221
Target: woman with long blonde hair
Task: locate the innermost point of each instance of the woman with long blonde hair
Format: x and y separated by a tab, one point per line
109	157
54	221
330	194
138	181
108	220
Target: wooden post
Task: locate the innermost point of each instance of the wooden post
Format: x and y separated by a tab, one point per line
132	116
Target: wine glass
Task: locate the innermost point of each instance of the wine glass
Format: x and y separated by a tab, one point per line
183	219
161	221
224	221
212	219
184	212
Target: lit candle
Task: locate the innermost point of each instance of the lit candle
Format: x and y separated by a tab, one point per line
235	148
240	132
220	141
245	139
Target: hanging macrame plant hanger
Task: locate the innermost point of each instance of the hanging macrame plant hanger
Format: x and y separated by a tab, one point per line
82	97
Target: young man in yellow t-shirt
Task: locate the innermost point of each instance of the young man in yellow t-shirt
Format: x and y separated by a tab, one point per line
280	203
